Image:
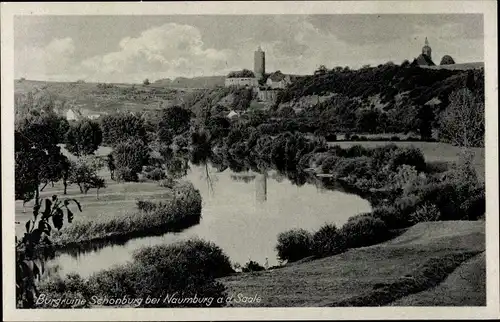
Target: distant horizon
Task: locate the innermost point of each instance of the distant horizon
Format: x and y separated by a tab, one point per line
204	76
129	49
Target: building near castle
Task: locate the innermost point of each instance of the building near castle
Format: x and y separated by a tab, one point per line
425	58
241	81
447	62
266	86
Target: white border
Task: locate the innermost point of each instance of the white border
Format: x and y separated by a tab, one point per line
488	8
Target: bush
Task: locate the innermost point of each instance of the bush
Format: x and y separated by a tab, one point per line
395	138
155	174
364	230
356	151
294	244
252	266
392	216
410	156
126	175
186	268
168	182
73	288
330	137
145	205
328	241
425	212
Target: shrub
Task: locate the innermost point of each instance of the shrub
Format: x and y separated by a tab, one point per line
392	216
294	244
186	268
356	151
168	182
328	241
145	205
395	138
73	291
331	137
125	174
425	212
364	230
437	167
252	266
155	174
410	156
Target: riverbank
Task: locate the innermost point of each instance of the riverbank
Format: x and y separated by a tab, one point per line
179	208
422	257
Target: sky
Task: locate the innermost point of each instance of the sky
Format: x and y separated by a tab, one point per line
133	48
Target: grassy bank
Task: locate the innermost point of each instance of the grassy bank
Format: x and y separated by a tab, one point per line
179	208
420	258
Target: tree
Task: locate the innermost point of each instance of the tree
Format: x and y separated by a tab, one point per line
83	137
110	161
218	127
174	121
38	159
120	127
405	63
447	60
146	82
426	119
130	156
245	73
83	172
322	70
462	123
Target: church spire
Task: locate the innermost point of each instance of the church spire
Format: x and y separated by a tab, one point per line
426	42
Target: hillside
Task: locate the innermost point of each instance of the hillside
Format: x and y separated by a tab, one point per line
384	99
195	82
102	98
419	259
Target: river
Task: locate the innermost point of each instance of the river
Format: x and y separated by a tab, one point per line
241	212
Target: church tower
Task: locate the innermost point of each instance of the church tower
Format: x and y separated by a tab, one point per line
259	63
426	50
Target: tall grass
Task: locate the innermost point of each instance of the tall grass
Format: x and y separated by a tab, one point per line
180	209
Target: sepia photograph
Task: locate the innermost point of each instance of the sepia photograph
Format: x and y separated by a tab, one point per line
214	161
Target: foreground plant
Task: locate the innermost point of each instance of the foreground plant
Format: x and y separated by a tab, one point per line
36	247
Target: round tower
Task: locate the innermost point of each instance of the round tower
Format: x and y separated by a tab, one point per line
259	63
426	50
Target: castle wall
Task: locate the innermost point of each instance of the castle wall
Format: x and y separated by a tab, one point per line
241	81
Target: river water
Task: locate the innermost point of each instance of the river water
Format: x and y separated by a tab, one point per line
241	212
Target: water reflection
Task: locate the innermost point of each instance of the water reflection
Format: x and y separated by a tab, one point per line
242	212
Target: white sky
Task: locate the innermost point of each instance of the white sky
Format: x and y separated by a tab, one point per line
132	48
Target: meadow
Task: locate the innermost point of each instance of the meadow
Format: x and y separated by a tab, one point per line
434	152
416	261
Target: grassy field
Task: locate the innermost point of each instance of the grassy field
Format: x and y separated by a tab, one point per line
115	199
433	151
418	259
464	287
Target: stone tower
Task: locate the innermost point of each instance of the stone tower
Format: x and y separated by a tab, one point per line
426	50
259	63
